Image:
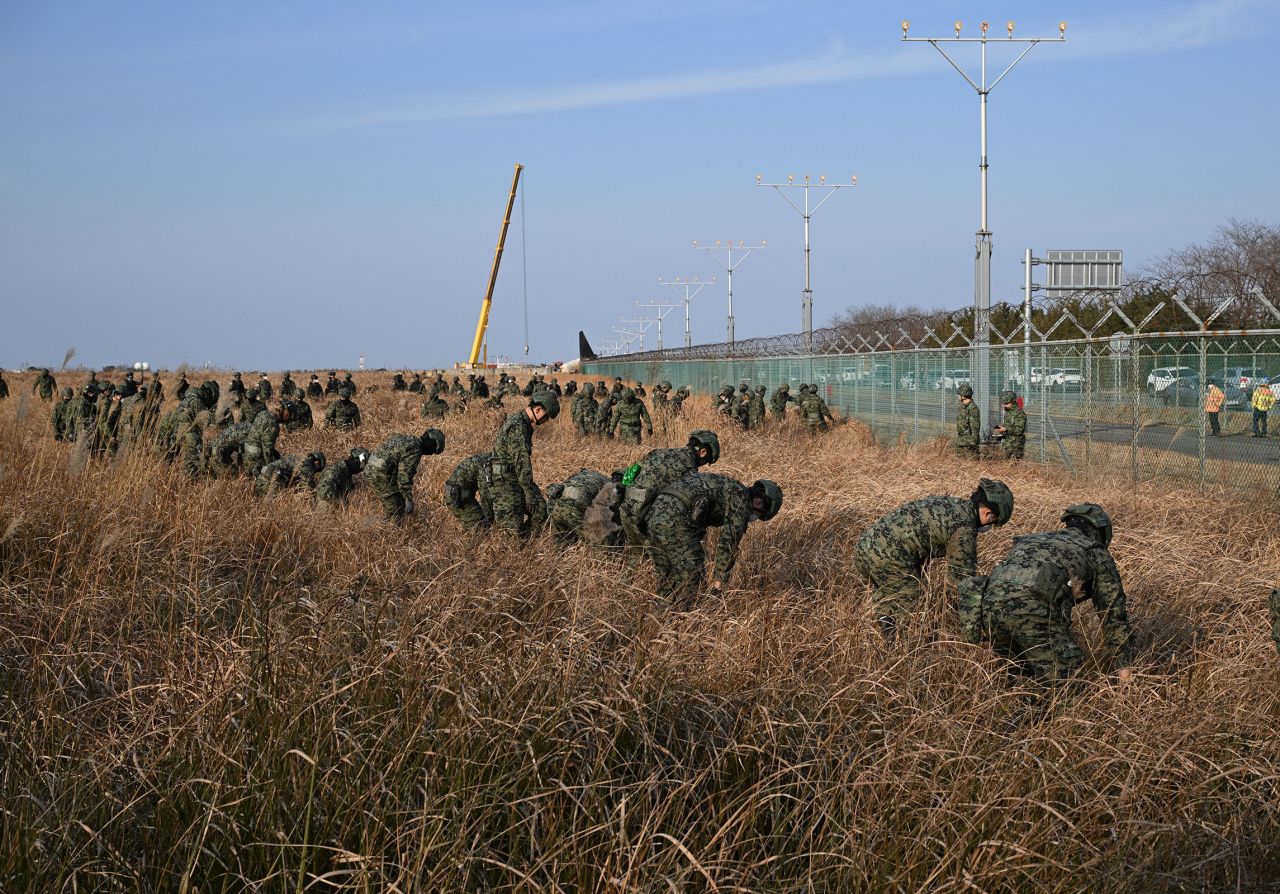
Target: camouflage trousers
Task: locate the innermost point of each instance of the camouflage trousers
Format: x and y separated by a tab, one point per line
566	519
967	451
220	469
1014	449
511	512
1018	622
388	493
1273	603
471	517
586	427
629	434
895	578
193	462
675	545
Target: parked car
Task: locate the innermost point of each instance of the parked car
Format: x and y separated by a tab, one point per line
908	381
1037	375
1162	377
1066	379
952	379
1246	377
1186	392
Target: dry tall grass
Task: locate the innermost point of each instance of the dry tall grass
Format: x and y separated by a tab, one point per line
203	691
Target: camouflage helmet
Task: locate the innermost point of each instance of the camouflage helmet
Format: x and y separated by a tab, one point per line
432	442
589	389
346	391
760	389
743	387
359	456
771	494
318	460
665	385
628	394
67	393
252	394
965	390
1007	396
548	401
1095	515
997	495
704	438
786	386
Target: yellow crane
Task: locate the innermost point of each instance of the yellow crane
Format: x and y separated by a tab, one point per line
483	324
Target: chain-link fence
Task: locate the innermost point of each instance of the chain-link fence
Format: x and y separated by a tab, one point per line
1130	404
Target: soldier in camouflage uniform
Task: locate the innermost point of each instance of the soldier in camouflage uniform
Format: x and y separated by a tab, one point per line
1273	605
331	384
226	453
84	418
628	416
130	386
45	384
1024	608
347	382
106	440
570	388
778	402
582	412
289	389
813	410
296	413
236	385
678	399
172	431
466	493
4	387
656	470
398	383
343	412
892	553
180	390
1014	431
315	390
61	416
416	386
567	503
434	407
190	436
518	506
290	471
678	521
968	424
265	391
392	466
604	412
133	411
616	390
252	405
338	480
456	389
755	408
260	442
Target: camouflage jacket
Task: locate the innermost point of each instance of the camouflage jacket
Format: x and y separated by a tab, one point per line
658	469
416	386
300	417
61	420
46	385
583	409
926	529
336	482
813	408
578	490
331	385
289	470
260	442
1056	563
513	461
1015	425
779	400
229	441
469	481
289	388
755	408
434	407
314	390
630	415
968	425
708	500
342	413
393	465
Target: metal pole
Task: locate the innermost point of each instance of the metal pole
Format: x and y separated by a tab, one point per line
808	292
1026	323
730	321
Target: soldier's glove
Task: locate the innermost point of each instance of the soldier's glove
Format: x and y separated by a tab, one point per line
408	505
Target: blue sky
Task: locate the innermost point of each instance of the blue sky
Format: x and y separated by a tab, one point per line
294	184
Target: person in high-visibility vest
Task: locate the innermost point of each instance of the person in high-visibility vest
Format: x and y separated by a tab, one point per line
1263	401
1213	398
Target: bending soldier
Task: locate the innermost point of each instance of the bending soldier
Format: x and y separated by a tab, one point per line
392	466
518	506
466	493
339	480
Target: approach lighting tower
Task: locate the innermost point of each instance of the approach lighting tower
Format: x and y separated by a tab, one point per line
660	310
982	262
688	289
807	212
744	250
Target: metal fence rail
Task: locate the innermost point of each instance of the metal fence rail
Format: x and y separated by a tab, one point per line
1127	403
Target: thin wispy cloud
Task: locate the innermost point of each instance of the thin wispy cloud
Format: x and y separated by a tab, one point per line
1188	27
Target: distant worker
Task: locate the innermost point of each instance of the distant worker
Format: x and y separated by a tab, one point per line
678	521
518	505
892	552
467	493
392	466
289	389
968	424
1263	400
331	384
778	402
339	480
61	416
1213	398
582	412
45	384
315	390
1024	607
628	416
1013	432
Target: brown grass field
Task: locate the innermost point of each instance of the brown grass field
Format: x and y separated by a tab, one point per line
202	691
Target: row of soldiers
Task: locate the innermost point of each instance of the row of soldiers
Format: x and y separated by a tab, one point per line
1011	435
746	406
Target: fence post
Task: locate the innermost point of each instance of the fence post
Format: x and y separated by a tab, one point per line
1135	395
1044	402
1204	418
1087	387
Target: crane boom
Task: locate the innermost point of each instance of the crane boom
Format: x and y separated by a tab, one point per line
483	324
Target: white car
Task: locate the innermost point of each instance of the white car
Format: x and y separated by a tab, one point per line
1066	379
1162	377
952	379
